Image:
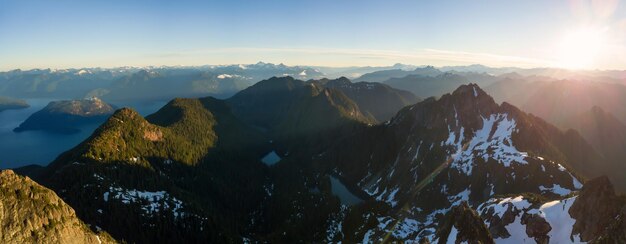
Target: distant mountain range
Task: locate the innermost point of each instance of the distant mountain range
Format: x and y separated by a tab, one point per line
459	167
559	100
155	83
428	86
356	72
592	108
607	135
383	75
124	84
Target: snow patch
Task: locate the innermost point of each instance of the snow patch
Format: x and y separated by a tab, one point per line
459	197
98	177
224	76
556	213
452	235
269	189
405	228
83	72
391	198
556	189
335	225
367	236
152	202
497	145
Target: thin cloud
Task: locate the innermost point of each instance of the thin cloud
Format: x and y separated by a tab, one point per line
485	58
420	56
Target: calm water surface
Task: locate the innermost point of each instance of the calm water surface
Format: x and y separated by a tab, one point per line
340	190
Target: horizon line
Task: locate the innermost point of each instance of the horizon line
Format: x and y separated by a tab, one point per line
153	66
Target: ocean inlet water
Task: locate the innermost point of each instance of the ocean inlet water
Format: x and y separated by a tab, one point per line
40	147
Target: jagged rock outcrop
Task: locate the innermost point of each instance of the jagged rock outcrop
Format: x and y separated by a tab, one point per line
530	217
536	227
31	213
597	208
593	215
463	225
461	147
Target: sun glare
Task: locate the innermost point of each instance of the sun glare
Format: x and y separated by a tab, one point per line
579	48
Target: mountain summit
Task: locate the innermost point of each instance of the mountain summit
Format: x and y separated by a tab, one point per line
172	170
457	168
462	147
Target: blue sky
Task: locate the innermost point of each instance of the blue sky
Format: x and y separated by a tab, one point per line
61	34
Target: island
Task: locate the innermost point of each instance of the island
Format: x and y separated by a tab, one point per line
67	116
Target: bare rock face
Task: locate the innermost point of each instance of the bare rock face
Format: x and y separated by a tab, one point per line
596	208
153	135
537	227
31	213
463	225
497	223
